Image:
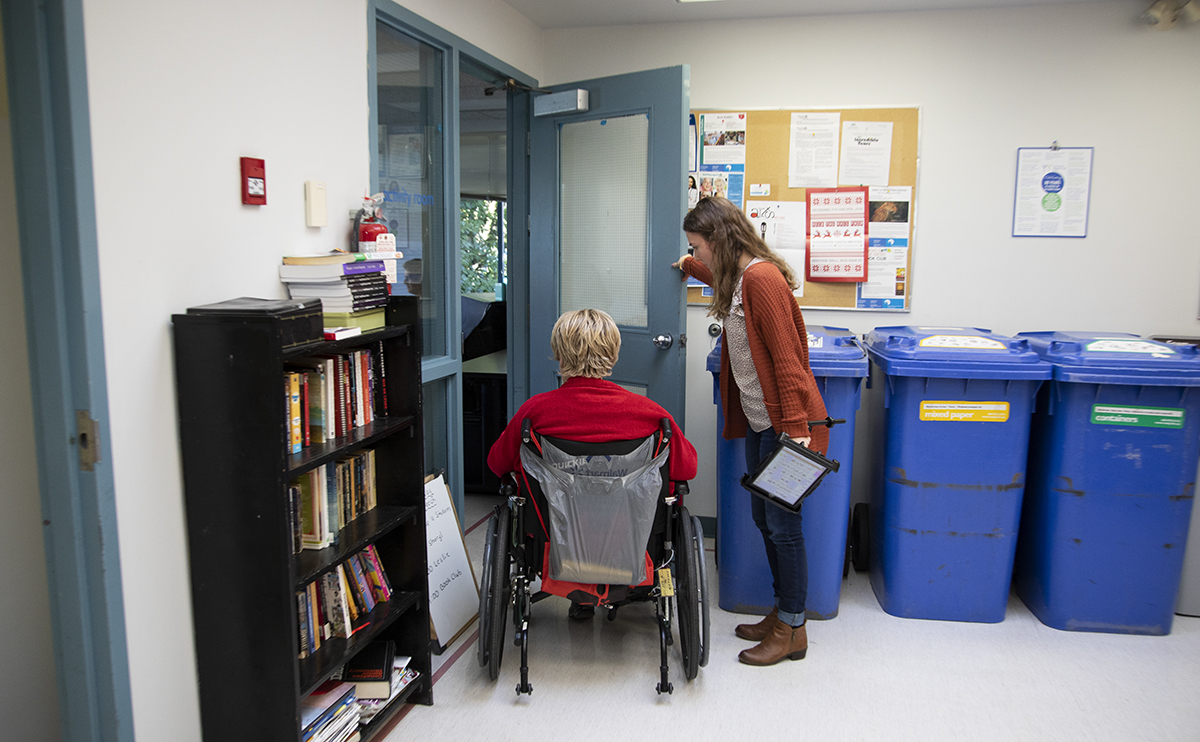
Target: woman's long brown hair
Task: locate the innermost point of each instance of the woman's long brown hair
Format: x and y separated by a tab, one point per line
728	233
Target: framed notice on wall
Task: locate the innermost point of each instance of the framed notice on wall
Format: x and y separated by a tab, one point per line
1052	192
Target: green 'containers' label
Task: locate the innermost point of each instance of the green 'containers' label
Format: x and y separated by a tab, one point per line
1142	417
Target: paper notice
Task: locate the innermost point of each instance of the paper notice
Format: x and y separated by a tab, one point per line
813	150
866	153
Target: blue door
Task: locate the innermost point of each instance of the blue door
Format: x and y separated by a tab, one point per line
607	200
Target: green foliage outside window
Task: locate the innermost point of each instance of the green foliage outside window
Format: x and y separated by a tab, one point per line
480	245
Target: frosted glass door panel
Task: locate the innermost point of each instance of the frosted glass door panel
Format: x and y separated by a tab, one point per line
604	217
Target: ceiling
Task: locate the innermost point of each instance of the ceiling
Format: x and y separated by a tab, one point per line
549	14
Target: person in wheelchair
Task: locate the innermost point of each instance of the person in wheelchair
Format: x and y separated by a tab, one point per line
588	408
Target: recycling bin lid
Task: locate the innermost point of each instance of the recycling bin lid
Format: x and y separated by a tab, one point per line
1116	358
835	351
954	353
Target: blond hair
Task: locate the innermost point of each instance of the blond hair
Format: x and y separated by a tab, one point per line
585	343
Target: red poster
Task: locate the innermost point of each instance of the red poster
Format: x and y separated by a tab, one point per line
837	230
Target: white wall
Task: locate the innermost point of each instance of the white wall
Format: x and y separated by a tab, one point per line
987	81
28	696
178	92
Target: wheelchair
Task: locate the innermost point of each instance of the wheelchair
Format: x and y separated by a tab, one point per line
597	523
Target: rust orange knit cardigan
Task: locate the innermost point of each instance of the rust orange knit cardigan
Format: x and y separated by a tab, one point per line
779	347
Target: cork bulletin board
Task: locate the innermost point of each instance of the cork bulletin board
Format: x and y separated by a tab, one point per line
767	140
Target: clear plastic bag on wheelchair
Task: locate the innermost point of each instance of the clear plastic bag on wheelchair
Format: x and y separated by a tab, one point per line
601	511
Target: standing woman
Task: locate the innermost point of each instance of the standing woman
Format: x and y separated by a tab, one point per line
764	351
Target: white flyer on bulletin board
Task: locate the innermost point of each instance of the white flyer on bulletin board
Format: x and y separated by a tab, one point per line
866	153
782	225
813	150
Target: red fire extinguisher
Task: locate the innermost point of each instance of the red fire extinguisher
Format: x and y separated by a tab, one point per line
369	223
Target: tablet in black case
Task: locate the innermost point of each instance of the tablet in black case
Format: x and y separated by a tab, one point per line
789	474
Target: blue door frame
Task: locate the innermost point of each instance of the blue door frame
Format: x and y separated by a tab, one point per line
44	49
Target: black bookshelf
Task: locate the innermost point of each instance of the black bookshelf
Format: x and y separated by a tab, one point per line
236	467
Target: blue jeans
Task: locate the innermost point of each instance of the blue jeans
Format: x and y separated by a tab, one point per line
782	536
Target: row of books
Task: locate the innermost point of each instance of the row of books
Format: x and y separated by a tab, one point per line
330	713
330	395
336	604
322	501
370	680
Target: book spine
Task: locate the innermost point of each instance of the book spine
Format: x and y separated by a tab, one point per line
335	607
304	419
369	382
293	497
301	617
310	533
330	399
360	389
320	499
308	623
372	492
316	406
348	396
382	379
313	616
351	607
343	493
341	395
375	572
360	484
332	512
387	584
360	580
294	406
372	576
365	266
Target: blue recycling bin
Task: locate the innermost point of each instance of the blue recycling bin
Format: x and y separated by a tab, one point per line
839	364
1112	468
957	406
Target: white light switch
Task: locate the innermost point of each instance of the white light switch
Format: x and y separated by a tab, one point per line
314	204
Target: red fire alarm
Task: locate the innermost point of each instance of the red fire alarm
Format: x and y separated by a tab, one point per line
254	181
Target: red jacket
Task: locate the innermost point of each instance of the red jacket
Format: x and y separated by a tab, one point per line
779	347
591	411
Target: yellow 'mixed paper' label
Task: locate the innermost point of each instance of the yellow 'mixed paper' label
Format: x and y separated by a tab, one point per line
960	412
664	582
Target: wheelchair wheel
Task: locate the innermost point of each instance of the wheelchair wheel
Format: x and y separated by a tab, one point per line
494	592
687	592
704	621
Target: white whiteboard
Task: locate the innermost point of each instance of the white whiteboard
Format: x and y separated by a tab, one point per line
453	593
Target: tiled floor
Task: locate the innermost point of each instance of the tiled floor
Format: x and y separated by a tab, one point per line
868	676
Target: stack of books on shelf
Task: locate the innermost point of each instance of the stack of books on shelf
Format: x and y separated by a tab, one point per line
336	604
322	501
352	287
330	713
379	675
327	396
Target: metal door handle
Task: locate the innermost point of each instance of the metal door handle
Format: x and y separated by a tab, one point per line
664	341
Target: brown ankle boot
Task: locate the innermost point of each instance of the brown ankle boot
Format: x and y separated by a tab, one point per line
784	642
756	632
